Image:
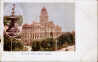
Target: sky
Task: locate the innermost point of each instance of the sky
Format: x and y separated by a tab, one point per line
62	14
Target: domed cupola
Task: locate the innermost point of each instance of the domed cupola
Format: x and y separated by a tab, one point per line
44	15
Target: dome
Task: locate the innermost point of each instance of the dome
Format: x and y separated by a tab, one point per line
44	9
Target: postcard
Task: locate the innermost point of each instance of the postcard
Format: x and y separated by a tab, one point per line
48	31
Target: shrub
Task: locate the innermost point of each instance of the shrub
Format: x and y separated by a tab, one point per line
12	44
64	39
44	45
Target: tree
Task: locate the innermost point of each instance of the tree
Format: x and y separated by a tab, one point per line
65	38
48	44
12	44
35	45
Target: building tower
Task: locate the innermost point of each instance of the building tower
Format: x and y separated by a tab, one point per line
44	15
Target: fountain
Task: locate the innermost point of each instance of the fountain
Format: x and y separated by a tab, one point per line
13	26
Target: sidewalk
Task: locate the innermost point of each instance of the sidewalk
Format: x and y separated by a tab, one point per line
69	48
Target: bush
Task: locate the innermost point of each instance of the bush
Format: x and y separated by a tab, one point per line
64	39
44	45
35	45
49	44
12	44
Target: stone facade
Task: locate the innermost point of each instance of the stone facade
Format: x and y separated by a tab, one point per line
40	30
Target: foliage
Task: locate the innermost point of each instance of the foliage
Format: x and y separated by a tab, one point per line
44	45
6	21
50	44
35	45
66	38
12	44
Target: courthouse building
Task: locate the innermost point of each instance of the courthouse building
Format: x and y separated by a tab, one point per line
40	30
